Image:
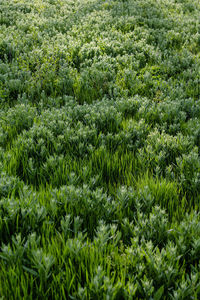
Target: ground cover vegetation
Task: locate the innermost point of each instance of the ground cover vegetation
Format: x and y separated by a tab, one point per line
99	149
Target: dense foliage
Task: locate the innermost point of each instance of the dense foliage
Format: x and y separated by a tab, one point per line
99	149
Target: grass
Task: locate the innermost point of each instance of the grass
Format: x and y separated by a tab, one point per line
99	149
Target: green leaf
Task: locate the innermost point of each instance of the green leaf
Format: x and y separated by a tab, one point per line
159	293
31	271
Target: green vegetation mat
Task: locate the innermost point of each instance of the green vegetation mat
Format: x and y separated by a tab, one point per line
99	149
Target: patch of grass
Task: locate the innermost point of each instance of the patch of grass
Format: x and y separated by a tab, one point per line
99	149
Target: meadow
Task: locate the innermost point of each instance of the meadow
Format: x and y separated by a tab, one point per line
99	149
